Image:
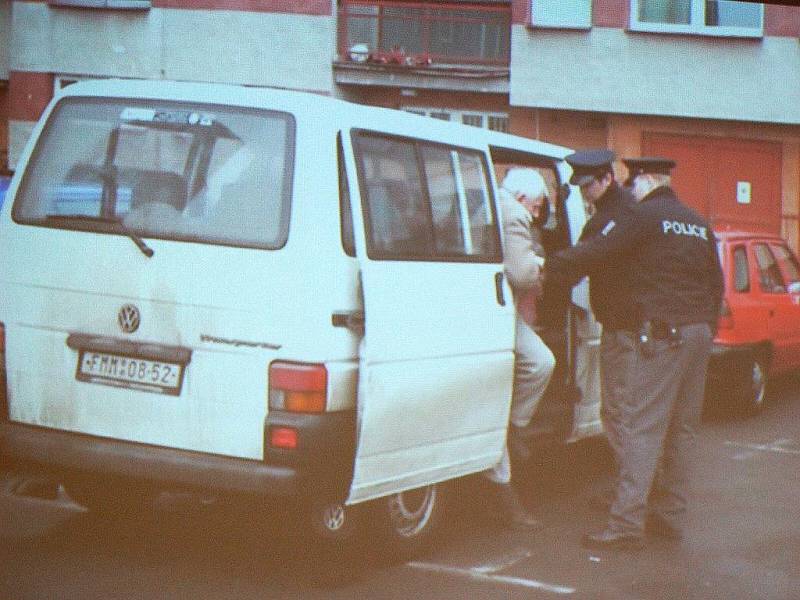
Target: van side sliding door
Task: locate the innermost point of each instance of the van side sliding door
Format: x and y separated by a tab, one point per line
436	360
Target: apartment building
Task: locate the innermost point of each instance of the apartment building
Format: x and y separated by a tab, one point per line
714	84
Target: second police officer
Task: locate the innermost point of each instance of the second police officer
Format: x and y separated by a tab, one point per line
675	291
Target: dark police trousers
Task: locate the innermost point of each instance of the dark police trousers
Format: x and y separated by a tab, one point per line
666	388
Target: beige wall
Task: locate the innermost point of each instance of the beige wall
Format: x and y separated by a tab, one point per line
611	70
566	128
251	48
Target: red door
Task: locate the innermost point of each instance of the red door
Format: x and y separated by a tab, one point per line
733	182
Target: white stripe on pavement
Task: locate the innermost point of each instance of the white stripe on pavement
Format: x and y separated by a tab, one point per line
504	562
777	446
479	576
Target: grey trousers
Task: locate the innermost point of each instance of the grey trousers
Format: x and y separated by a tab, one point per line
617	352
533	367
658	417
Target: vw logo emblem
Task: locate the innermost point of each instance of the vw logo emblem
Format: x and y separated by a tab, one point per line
128	318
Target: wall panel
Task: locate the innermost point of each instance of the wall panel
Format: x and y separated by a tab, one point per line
709	169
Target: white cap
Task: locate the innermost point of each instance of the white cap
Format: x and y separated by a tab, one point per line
525	181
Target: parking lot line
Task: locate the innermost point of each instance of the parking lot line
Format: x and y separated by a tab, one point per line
477	575
504	562
778	447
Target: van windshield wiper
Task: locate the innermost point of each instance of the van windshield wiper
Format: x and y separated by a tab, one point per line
115	225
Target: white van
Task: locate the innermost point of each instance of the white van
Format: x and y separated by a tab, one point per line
247	291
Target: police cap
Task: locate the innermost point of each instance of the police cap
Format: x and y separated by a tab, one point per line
640	166
589	164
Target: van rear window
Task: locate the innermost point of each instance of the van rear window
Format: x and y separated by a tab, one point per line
201	173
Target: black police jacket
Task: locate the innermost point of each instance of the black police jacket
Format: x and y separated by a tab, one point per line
671	254
609	288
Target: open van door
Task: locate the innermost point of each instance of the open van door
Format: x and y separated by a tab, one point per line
436	359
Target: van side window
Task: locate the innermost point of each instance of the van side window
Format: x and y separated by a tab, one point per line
345	216
461	210
771	278
397	215
741	271
425	201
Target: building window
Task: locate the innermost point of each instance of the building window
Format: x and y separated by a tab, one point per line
494	121
421	32
563	14
705	17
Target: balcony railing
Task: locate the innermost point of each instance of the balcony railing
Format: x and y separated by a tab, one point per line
424	32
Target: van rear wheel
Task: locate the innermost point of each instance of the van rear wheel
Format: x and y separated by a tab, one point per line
404	523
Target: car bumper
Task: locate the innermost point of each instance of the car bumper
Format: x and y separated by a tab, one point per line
725	361
65	453
721	352
320	461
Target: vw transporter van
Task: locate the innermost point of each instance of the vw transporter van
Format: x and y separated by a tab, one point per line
267	293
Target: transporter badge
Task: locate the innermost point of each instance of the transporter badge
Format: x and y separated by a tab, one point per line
128	318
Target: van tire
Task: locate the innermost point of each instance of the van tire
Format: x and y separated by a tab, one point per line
408	522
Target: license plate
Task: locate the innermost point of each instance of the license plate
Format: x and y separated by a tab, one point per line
128	371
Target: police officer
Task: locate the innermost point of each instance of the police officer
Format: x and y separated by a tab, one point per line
676	292
609	293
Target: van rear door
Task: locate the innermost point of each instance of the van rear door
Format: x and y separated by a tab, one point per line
436	360
141	271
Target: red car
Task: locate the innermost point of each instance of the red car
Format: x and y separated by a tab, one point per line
759	325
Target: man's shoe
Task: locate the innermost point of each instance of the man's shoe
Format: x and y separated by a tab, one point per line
612	540
658	526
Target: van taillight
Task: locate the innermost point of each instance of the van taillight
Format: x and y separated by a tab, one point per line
725	320
3	391
283	437
297	387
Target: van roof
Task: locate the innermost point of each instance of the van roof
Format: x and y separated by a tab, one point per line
338	113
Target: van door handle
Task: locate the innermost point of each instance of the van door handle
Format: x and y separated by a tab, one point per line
498	288
351	319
